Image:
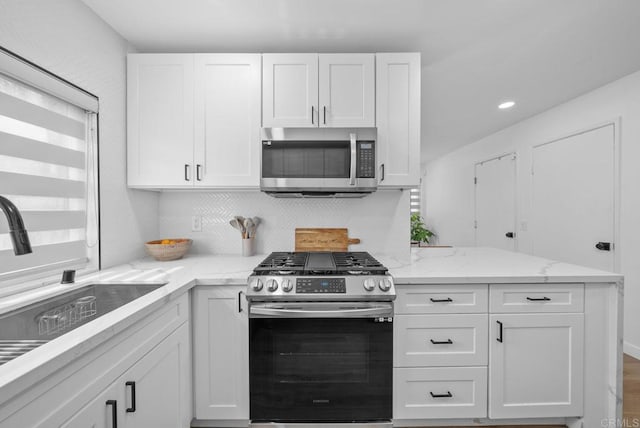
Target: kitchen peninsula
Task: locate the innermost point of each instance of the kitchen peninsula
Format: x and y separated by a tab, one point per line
532	340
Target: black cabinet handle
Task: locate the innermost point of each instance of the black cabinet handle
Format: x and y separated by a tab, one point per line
114	412
538	299
186	172
603	246
442	342
447	395
312	116
447	300
132	409
324	110
381	173
198	172
240	293
499	339
510	235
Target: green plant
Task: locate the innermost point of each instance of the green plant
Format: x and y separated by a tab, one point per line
419	233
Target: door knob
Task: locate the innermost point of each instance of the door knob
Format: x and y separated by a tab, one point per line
603	246
510	235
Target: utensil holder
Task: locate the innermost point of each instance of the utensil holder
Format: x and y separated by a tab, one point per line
248	247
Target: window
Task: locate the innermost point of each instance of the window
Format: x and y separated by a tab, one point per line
48	158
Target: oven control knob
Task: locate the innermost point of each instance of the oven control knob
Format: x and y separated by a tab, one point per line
272	285
384	284
369	284
287	285
256	284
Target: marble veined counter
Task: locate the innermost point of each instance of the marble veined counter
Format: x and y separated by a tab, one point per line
427	265
468	265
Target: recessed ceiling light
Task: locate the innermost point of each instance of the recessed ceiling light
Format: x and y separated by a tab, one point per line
506	104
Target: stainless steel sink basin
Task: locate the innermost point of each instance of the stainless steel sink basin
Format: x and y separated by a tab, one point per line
28	327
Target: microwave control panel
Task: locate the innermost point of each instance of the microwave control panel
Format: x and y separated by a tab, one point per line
366	162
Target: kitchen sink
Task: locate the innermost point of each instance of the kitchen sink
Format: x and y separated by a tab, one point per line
28	327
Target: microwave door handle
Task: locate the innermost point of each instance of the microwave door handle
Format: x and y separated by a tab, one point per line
352	173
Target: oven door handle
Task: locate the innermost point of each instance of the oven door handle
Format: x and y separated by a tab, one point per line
381	311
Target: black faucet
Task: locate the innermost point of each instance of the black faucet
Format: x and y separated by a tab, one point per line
19	236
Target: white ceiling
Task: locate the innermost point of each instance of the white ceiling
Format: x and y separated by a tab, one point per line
475	53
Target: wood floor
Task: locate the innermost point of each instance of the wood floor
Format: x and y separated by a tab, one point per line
631	391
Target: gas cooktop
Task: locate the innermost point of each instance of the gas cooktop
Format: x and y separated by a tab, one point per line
320	276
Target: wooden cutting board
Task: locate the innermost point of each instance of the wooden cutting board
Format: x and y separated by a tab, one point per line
323	239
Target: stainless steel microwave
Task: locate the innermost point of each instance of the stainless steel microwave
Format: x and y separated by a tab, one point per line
299	162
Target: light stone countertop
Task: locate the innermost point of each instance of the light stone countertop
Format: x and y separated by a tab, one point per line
427	265
468	265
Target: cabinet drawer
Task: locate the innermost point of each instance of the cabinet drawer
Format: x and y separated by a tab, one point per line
536	298
440	340
440	393
439	299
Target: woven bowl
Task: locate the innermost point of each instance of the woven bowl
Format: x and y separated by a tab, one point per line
165	252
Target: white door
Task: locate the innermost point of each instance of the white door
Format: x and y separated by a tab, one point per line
398	119
535	365
160	119
161	381
290	90
496	203
227	119
574	198
346	90
221	353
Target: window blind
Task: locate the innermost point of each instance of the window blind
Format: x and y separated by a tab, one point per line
45	157
415	200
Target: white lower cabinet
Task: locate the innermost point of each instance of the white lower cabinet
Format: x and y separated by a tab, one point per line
221	354
536	365
152	393
97	389
440	392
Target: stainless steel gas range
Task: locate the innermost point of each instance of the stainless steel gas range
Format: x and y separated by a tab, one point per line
321	340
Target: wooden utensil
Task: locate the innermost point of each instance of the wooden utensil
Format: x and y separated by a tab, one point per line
323	239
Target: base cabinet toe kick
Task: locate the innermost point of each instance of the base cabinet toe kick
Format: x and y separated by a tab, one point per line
502	354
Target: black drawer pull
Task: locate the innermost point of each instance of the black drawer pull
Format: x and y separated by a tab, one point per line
447	395
447	300
499	339
442	342
538	299
114	412
132	409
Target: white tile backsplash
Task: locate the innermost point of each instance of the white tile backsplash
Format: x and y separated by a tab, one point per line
380	220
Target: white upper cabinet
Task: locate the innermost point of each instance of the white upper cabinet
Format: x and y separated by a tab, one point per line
193	120
159	119
398	119
325	90
290	90
227	120
346	90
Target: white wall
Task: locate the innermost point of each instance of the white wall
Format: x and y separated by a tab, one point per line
380	220
68	39
449	191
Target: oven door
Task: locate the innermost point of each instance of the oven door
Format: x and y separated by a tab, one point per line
321	362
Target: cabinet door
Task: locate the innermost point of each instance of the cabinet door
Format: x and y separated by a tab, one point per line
290	90
536	368
160	120
101	411
221	353
227	119
157	389
398	118
346	90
